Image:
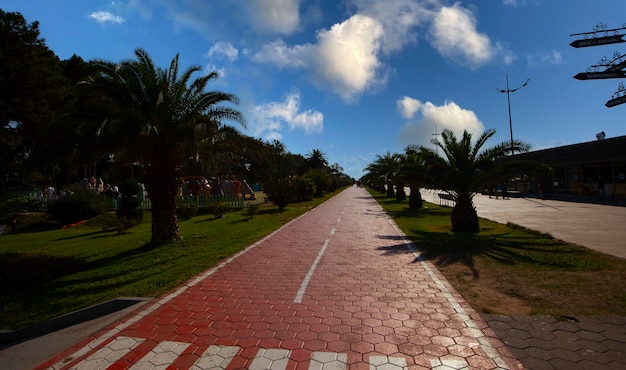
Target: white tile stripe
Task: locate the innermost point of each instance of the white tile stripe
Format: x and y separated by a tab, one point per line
215	357
448	364
307	278
275	359
328	361
109	354
491	352
387	363
161	356
219	357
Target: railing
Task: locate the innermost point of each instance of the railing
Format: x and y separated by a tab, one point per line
446	200
207	201
198	201
42	203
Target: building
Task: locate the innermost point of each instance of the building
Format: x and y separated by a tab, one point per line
595	168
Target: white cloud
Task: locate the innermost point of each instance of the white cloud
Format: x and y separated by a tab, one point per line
145	11
514	2
221	72
282	55
345	58
106	17
434	119
455	36
347	55
408	106
268	119
225	49
550	57
348	58
399	19
274	16
272	136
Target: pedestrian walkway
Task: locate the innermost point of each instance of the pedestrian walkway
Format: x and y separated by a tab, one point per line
595	226
338	288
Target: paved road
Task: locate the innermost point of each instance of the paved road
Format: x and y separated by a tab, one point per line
337	288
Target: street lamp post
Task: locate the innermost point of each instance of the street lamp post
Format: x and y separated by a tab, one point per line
508	97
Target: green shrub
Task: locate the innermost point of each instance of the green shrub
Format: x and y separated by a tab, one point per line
9	208
218	209
79	205
128	211
129	188
322	180
282	192
251	209
186	211
306	188
19	271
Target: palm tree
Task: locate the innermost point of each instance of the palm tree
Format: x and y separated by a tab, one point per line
384	167
465	169
316	159
159	117
413	172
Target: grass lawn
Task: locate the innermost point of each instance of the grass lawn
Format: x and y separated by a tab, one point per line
47	272
509	270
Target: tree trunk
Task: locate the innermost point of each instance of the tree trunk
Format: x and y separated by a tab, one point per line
390	192
400	193
162	193
415	198
464	217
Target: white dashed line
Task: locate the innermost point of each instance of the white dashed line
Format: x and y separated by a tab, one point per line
307	278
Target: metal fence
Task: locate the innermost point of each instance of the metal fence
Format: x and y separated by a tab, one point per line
198	201
41	203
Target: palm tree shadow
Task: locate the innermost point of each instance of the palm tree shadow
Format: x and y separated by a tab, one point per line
445	249
92	234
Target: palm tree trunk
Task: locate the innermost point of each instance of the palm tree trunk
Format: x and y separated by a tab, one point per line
390	192
415	198
464	217
162	193
400	193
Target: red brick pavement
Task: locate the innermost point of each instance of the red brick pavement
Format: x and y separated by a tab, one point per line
339	287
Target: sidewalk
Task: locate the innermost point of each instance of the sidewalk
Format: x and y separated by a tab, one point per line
337	288
595	226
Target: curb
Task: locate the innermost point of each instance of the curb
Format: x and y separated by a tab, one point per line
10	338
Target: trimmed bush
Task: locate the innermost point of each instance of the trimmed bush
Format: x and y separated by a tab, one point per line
282	192
219	209
251	209
128	211
186	211
79	205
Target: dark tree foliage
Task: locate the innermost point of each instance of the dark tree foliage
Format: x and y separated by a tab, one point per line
32	96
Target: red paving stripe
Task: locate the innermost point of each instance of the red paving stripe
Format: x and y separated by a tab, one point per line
358	290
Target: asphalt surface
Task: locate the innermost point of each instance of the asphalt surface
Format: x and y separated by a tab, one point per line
339	288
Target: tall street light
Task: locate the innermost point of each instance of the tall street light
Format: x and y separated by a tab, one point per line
508	96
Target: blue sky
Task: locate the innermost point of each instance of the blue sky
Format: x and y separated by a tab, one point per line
357	78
